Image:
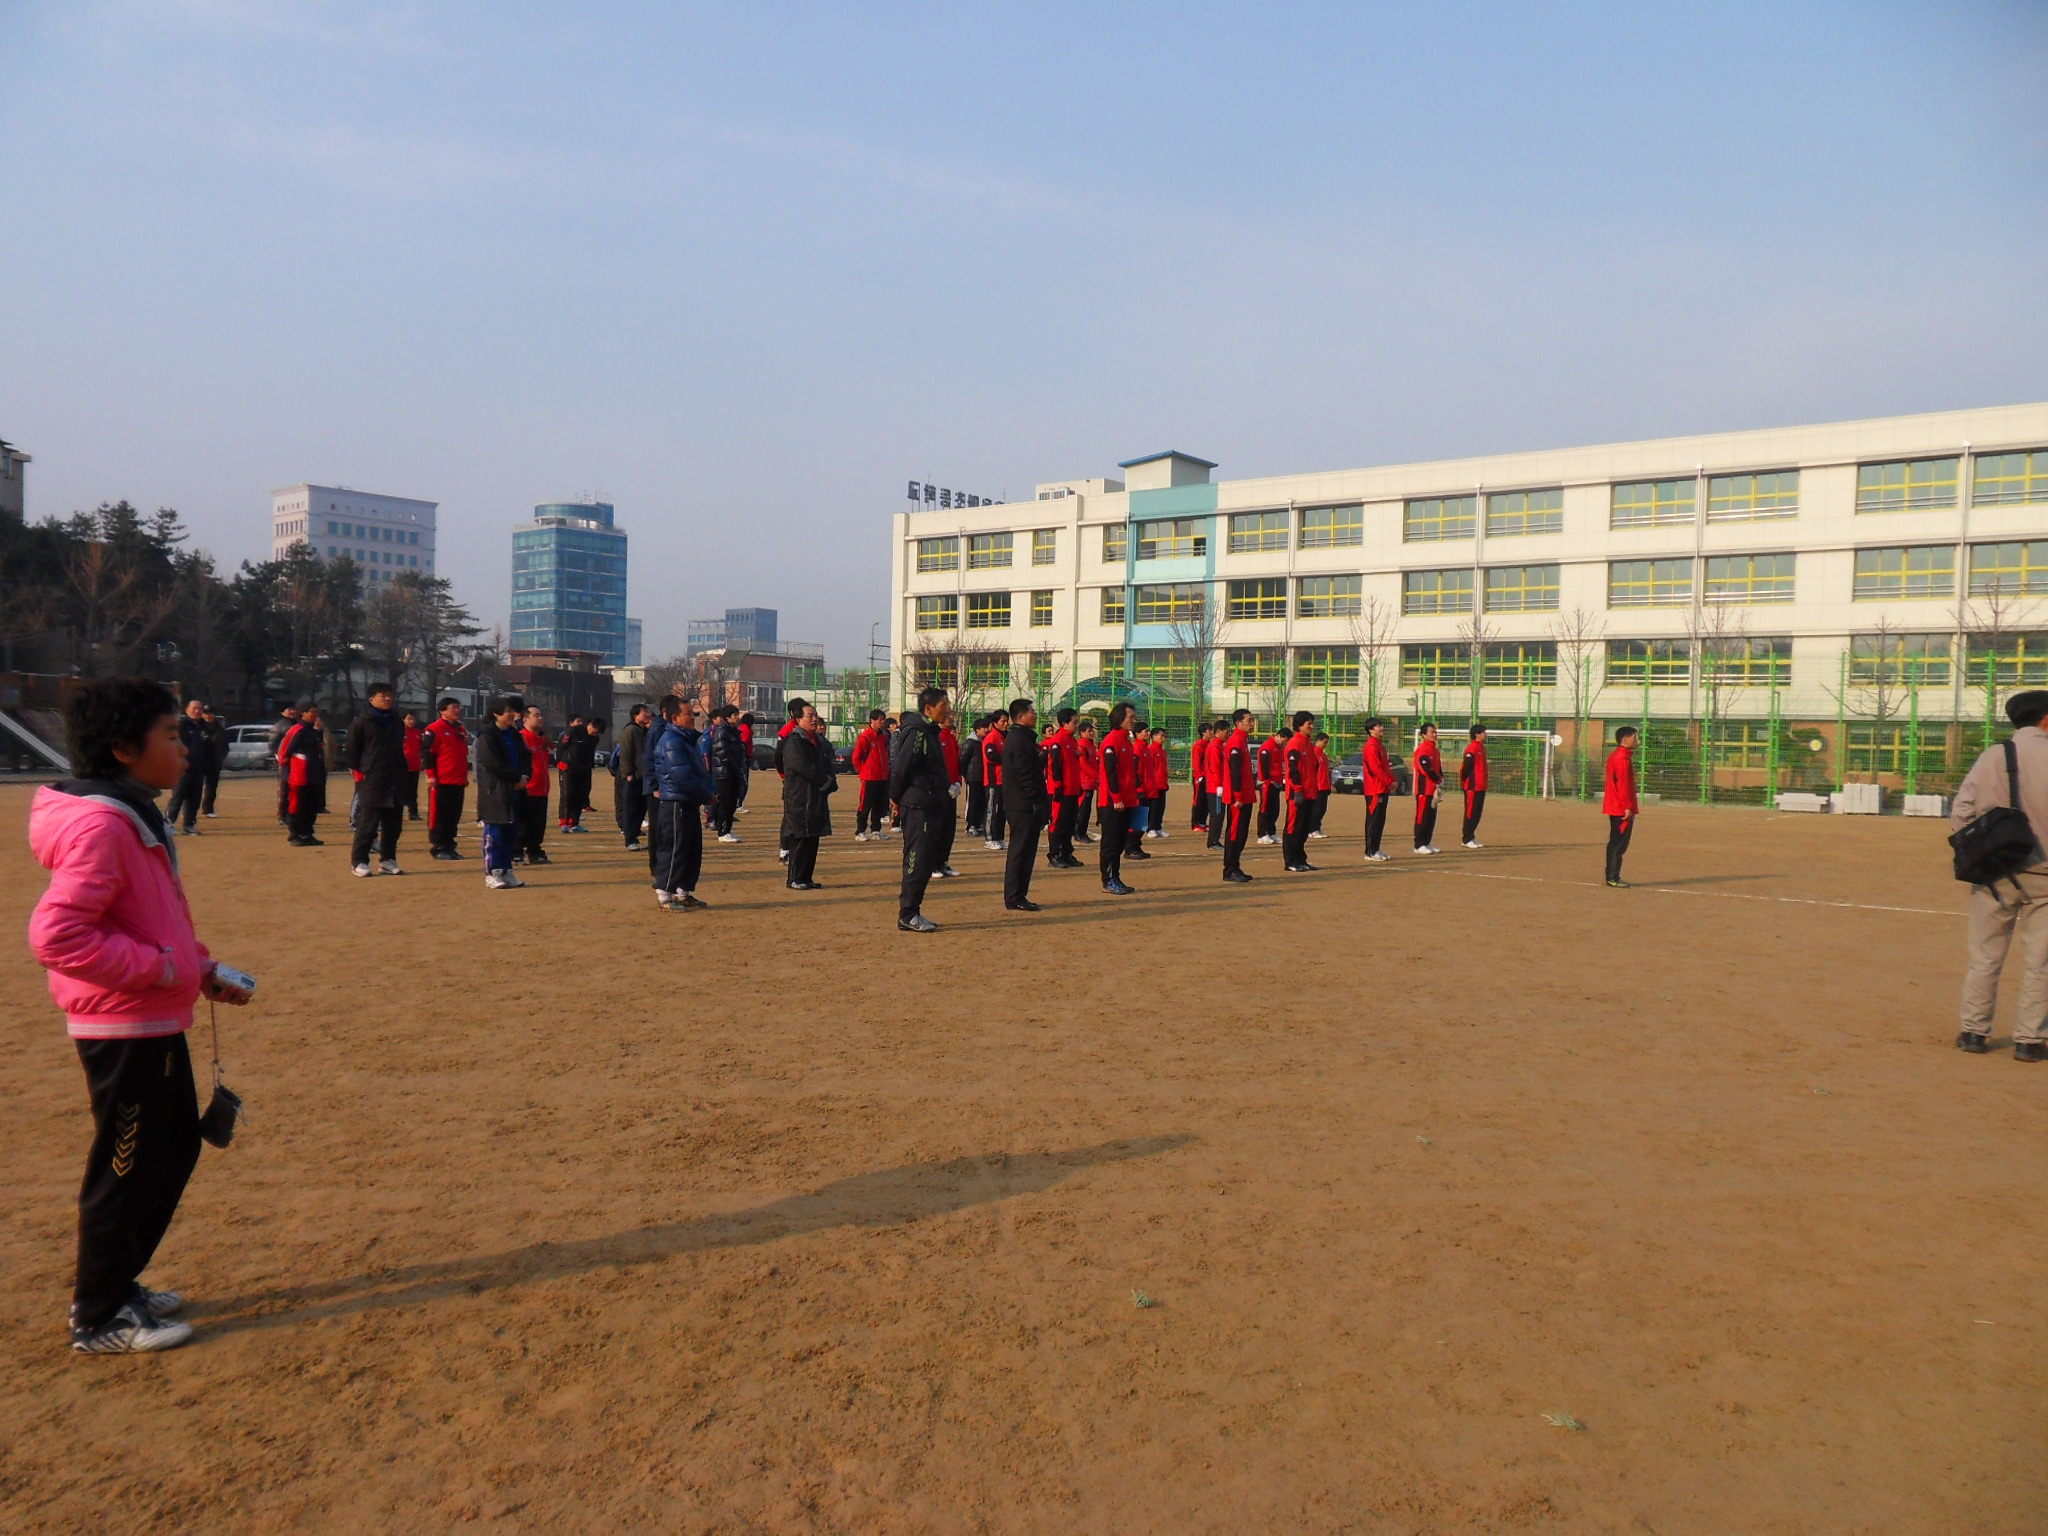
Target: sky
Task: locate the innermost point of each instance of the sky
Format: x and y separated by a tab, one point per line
745	270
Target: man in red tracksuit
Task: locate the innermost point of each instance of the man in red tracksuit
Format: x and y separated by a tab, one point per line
1063	784
1158	777
1090	748
1120	794
871	767
1298	781
1472	779
1429	783
1200	784
1270	780
1322	745
1377	783
532	827
447	769
1237	789
1212	813
1620	802
941	853
992	775
415	741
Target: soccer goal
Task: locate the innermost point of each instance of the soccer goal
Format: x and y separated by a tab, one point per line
1551	742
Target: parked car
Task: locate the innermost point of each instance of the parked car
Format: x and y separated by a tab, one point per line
1347	776
249	747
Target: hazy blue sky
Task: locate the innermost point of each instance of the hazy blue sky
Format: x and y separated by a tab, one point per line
745	269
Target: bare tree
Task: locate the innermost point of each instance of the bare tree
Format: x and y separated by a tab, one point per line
1993	618
1477	636
1193	634
1578	635
1372	630
1877	677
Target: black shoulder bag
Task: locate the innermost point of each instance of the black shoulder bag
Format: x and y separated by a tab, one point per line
1999	843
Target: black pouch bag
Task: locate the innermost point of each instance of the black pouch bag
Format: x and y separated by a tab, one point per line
2000	843
217	1124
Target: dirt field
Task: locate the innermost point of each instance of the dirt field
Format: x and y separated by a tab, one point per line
561	1213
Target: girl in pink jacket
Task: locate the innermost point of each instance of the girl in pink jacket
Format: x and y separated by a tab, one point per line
115	934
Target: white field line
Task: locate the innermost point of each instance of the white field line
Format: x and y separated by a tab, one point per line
1797	901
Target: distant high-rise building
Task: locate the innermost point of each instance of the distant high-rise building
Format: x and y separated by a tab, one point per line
569	581
635	637
750	629
382	534
13	501
704	635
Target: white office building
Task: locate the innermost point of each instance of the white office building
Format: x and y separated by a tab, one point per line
1720	576
382	534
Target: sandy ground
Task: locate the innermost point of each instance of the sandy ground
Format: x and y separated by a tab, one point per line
560	1213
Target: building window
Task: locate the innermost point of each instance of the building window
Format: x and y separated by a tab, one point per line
1332	527
1875	659
1038	674
2010	479
1173	538
1115	543
1253	533
1741	743
1175	669
2017	661
1749	579
1750	498
1649	583
1521	589
1254	667
1511	514
1915	571
1444	665
1436	591
1112	605
1045	546
988	551
1910	486
1109	665
1650	503
1262	599
1748	659
1041	610
985	669
1890	747
1438	517
938	555
2011	570
1328	597
938	613
1326	667
988	610
1177	602
1519	664
1660	663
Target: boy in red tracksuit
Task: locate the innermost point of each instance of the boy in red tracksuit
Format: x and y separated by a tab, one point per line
1212	813
1472	779
1200	785
532	826
871	767
1429	783
1270	780
1238	792
1322	808
1091	776
1157	779
1620	802
1376	781
1063	786
1298	778
1120	795
415	742
446	758
949	821
992	775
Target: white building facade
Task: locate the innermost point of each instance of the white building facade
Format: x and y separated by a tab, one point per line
1719	576
382	534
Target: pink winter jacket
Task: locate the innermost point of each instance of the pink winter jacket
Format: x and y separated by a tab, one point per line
113	929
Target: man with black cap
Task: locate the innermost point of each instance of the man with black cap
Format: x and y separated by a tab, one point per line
2015	909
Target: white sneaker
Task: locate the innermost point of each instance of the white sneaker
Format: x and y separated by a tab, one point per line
1267	842
1426	849
1318	834
506	881
389	867
130	1331
993	846
363	871
783	856
727	837
860	837
1378	858
1474	843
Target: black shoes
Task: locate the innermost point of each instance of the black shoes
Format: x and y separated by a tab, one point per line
1976	1044
2030	1050
804	885
1301	869
1237	877
1066	864
1117	887
305	842
1020	906
1136	853
917	922
1619	885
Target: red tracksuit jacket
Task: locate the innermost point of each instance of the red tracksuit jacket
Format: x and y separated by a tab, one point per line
1091	762
1270	751
1120	770
1239	781
871	756
1472	771
447	754
1429	768
1620	799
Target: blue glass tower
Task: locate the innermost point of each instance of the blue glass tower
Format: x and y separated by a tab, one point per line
569	581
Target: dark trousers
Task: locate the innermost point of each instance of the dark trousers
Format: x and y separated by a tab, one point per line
803	859
995	816
1322	809
1116	826
1024	831
145	1143
1375	821
1218	814
1301	810
1425	819
1083	813
1059	843
186	797
378	824
444	814
1269	809
533	827
1237	822
678	839
874	806
629	808
412	795
212	789
284	798
1475	807
731	791
977	807
945	823
1156	822
302	815
575	797
1198	807
501	841
921	826
1619	830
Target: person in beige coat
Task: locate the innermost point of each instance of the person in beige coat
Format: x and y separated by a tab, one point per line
2014	910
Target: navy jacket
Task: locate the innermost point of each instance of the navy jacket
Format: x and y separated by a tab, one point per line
675	766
